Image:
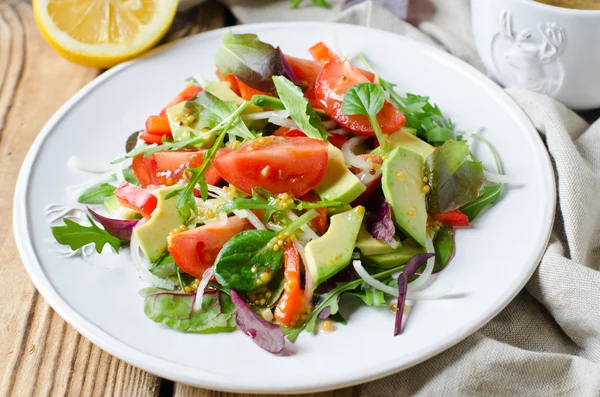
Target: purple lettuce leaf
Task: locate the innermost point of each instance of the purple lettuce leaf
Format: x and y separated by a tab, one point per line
118	228
379	223
266	335
289	73
410	268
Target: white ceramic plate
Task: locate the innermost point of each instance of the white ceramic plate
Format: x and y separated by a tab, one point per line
494	257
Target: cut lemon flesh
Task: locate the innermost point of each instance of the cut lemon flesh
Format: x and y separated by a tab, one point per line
102	33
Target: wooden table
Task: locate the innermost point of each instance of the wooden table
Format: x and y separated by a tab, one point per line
40	353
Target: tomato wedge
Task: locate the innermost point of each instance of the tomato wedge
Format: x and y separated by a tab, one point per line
167	168
335	79
136	198
321	53
150	138
291	304
452	218
195	250
190	91
233	83
278	164
306	71
336	140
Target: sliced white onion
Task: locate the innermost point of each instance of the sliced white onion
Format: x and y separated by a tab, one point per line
330	124
56	212
223	218
284	114
220	193
75	190
340	131
76	163
497	178
252	218
267	314
424	277
206	276
142	268
308	278
372	281
394	243
350	157
119	173
283	122
308	232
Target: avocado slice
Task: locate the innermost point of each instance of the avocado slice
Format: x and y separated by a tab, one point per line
402	185
152	235
402	254
338	183
182	129
371	246
403	138
114	208
332	252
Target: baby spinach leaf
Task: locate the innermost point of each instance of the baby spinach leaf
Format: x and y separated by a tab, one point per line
491	194
443	244
76	236
300	110
164	267
250	60
176	311
366	99
250	259
96	194
455	179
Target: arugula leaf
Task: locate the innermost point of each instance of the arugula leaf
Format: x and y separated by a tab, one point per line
370	296
250	255
427	119
250	60
320	3
366	99
455	179
212	111
96	194
491	194
76	236
262	199
177	311
130	176
443	245
300	110
148	150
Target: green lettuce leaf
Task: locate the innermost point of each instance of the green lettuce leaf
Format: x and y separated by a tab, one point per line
250	60
454	177
176	311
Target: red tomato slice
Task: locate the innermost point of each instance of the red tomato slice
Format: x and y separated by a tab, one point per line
190	91
292	165
136	198
306	71
195	250
332	83
291	305
166	168
336	140
320	223
371	187
452	218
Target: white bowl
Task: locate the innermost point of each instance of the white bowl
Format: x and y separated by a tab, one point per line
550	50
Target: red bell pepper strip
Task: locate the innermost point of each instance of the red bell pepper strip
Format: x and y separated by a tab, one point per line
150	138
233	83
248	92
452	218
190	91
291	306
158	125
138	199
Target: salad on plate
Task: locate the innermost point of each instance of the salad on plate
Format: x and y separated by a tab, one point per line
263	200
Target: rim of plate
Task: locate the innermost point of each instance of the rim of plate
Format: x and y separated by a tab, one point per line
174	371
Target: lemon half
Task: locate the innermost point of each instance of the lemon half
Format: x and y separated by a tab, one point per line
103	33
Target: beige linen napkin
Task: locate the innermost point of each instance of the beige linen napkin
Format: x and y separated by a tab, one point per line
547	341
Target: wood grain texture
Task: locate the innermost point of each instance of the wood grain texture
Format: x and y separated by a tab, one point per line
41	354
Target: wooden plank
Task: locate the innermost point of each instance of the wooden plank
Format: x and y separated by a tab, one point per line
41	354
182	390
